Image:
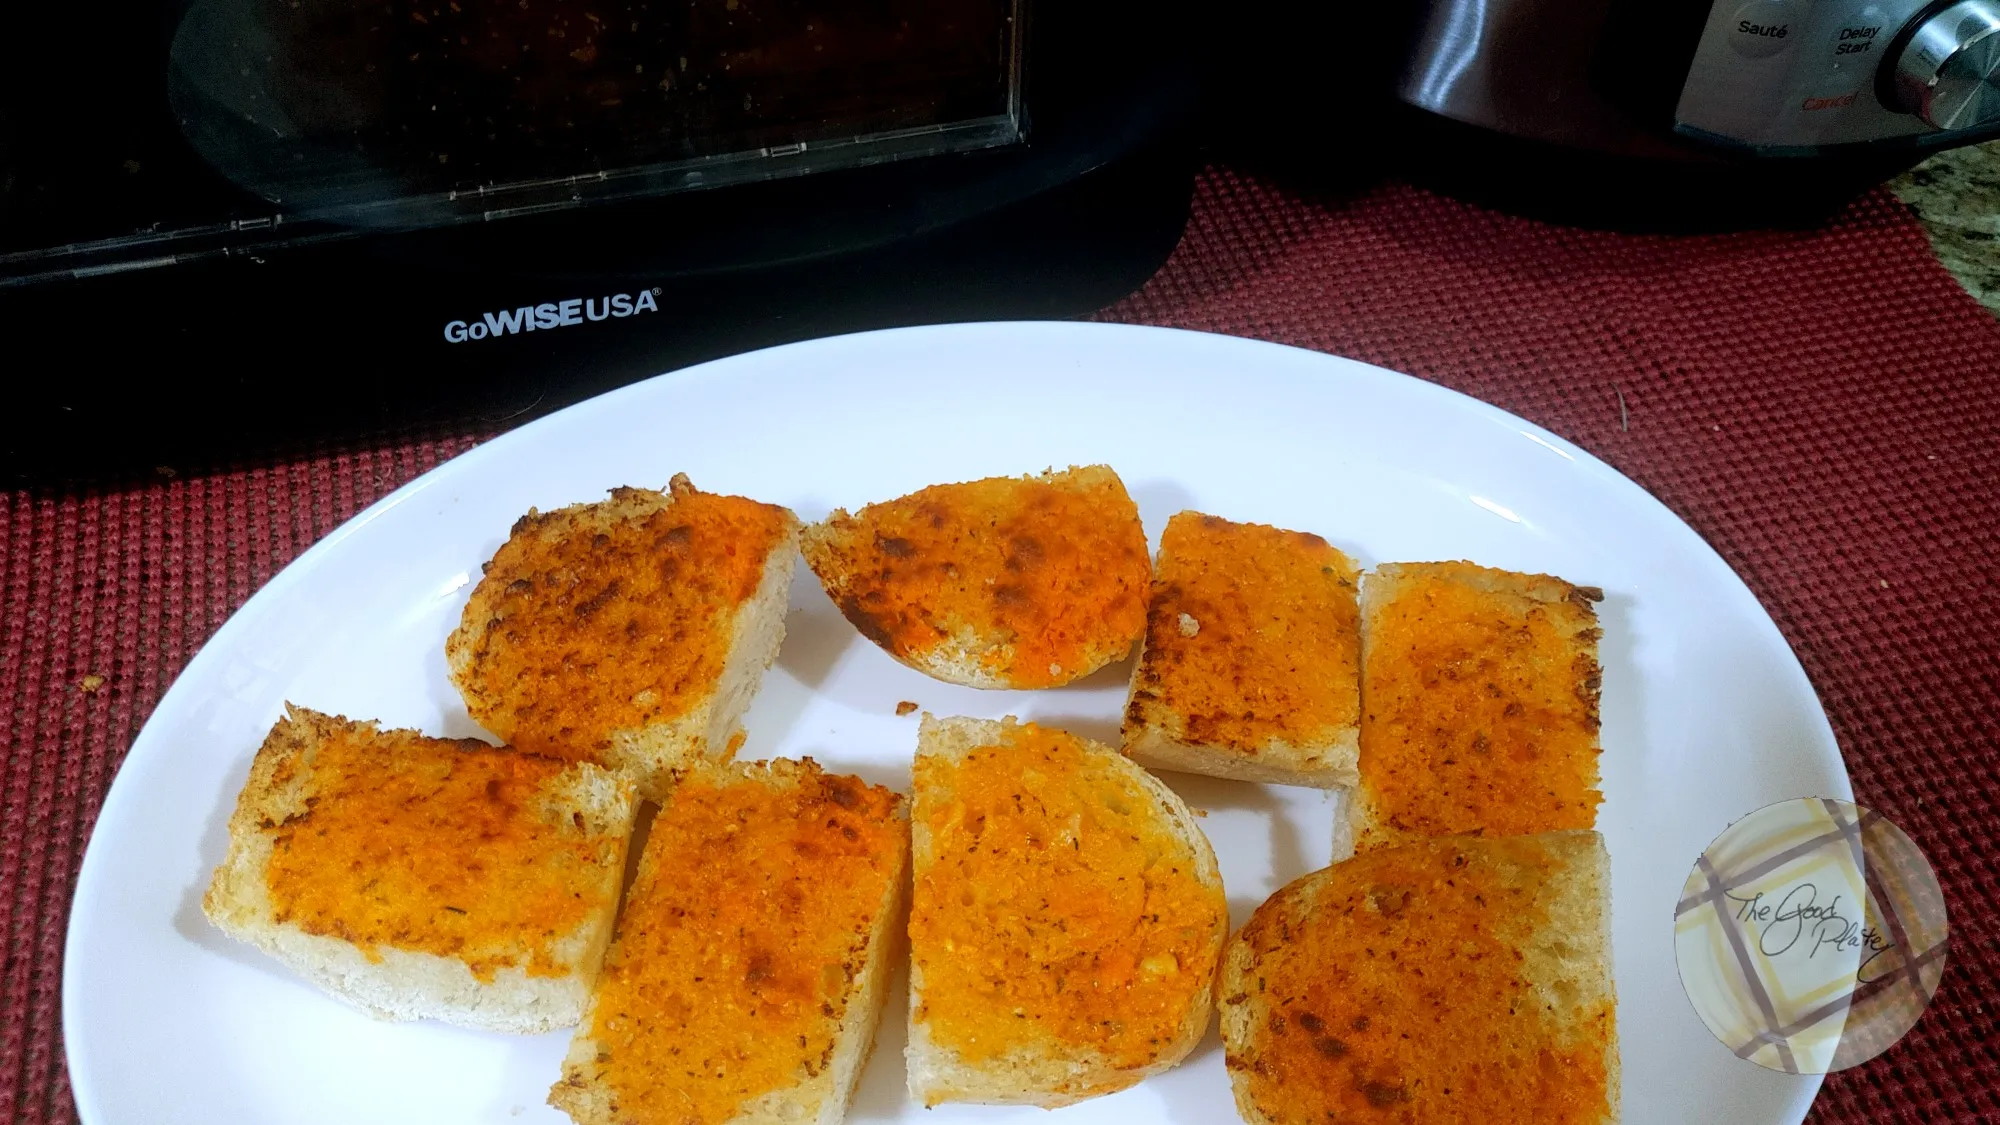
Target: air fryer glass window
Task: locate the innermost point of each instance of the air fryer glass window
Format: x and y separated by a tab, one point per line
240	123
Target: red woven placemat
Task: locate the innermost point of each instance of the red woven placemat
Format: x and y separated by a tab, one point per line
1821	406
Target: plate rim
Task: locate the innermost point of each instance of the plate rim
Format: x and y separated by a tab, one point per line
1057	333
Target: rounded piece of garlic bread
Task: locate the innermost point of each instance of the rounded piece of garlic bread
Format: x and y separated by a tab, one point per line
1066	918
1008	582
632	632
1457	980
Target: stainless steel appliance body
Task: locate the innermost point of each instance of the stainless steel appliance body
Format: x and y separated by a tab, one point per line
1764	78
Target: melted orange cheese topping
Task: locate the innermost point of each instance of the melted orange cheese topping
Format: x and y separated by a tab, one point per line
740	940
1253	636
1405	998
1051	904
1059	569
439	847
1481	711
596	625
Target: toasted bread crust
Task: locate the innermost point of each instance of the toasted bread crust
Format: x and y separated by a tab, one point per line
1451	980
1046	970
1250	668
371	863
630	632
1480	704
748	971
1006	582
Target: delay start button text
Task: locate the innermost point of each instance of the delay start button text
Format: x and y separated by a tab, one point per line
1859	40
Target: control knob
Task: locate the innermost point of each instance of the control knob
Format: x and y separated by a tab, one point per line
1946	72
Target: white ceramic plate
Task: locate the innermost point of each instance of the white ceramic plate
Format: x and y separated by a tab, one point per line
1707	715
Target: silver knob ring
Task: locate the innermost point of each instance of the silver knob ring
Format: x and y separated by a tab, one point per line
1948	70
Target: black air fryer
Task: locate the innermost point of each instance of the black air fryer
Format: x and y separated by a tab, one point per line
238	224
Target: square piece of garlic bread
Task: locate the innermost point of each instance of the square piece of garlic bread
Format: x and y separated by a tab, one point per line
426	878
1252	659
1066	918
1479	693
632	632
748	972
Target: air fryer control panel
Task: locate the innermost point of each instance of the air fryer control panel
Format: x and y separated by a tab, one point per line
1798	75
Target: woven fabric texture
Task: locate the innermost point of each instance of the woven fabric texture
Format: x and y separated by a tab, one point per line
1821	406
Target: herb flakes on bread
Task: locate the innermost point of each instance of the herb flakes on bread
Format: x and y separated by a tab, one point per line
426	878
1066	918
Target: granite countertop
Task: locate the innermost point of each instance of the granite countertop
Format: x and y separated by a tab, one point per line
1956	194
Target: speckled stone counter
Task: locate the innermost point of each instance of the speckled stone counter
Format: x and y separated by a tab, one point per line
1957	196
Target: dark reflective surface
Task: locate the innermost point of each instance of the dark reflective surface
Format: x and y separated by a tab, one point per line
325	103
